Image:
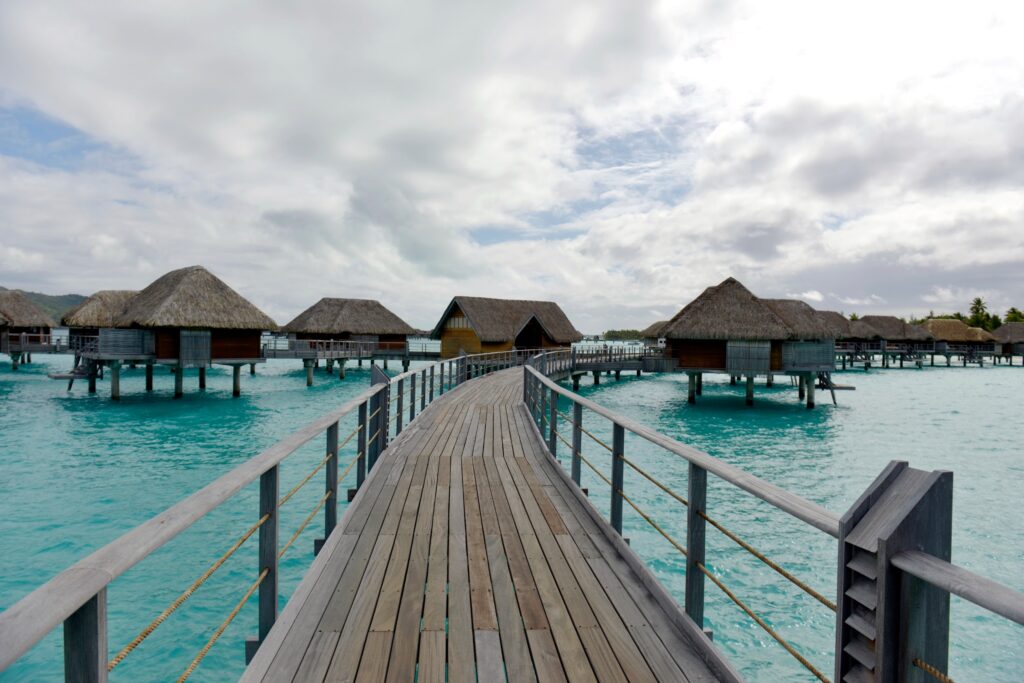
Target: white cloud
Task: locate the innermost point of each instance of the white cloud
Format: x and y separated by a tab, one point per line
350	149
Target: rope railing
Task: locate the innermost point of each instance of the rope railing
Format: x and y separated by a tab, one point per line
562	439
654	481
931	671
220	629
763	624
180	600
596	471
305	523
759	555
654	524
596	440
295	489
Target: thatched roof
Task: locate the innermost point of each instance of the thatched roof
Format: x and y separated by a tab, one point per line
19	311
499	320
193	297
800	318
348	316
653	331
727	311
955	331
1010	333
892	328
836	323
101	309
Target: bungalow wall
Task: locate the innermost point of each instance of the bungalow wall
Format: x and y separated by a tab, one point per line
234	344
699	354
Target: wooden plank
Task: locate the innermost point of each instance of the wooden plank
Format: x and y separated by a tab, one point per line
488	656
432	657
461	661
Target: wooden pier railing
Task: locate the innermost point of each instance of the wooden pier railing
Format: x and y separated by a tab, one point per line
894	544
77	597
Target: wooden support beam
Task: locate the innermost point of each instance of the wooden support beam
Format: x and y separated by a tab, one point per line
691	387
202	378
115	381
694	591
269	492
618	480
810	390
149	377
750	390
85	642
236	380
252	368
179	378
309	372
700	383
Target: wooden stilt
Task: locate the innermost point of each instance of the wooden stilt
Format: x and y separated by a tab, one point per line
341	369
700	383
750	390
92	378
309	373
202	379
330	366
618	375
810	391
149	377
597	378
770	382
575	382
800	390
252	368
691	387
115	381
179	377
732	380
236	379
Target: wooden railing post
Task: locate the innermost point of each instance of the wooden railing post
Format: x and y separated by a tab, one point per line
542	408
423	390
412	397
698	489
440	384
361	445
85	642
331	506
553	425
269	491
618	450
400	401
577	440
432	383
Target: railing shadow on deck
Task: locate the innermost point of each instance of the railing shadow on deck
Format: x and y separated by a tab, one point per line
894	575
77	597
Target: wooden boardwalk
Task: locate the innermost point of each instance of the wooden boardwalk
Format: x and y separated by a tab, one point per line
467	557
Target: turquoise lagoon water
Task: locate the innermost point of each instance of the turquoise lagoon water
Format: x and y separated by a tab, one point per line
964	420
80	470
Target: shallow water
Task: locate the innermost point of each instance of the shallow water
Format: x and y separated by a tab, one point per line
964	420
80	470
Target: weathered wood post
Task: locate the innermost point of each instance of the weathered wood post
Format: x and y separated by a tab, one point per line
543	408
236	380
577	440
400	400
149	377
700	383
341	369
361	446
801	392
597	377
92	377
269	491
309	372
691	387
618	450
412	397
887	618
770	382
732	380
423	390
432	383
553	425
179	380
440	382
810	390
750	390
202	378
85	641
115	380
698	487
252	368
331	505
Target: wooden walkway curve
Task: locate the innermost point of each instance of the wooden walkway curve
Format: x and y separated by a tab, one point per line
466	557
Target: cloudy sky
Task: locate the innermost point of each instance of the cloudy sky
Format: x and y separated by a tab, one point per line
617	157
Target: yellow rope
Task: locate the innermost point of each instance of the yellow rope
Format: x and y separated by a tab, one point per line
220	629
375	435
602	443
305	522
753	551
373	414
185	595
932	671
596	471
349	437
651	479
760	622
650	521
302	483
562	439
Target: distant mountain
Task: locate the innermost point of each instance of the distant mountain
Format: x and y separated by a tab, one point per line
54	304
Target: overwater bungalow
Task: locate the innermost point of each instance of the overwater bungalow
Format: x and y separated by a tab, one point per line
362	320
97	313
652	335
24	327
188	318
1010	337
478	325
727	329
954	338
900	335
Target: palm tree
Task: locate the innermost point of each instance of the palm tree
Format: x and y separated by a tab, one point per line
979	313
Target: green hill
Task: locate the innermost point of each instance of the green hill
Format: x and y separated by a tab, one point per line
54	304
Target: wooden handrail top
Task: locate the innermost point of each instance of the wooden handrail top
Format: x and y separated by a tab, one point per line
817	516
33	617
972	587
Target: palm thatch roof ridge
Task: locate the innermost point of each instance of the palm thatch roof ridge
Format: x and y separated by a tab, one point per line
351	316
102	309
654	330
892	328
726	311
499	320
193	297
1010	333
19	311
836	322
955	331
801	318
